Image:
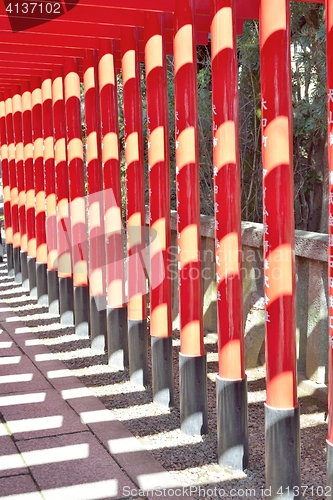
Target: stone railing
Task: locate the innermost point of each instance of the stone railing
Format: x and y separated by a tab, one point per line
311	294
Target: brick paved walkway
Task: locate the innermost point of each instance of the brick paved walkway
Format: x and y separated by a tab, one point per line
57	440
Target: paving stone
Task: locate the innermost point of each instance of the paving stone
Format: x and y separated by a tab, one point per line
73	460
42	418
21	377
139	464
11	461
59	376
7	346
18	487
89	408
11	360
22	335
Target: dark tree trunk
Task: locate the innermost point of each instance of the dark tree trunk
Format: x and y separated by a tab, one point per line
319	200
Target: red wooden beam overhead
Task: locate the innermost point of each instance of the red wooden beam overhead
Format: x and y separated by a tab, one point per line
66	28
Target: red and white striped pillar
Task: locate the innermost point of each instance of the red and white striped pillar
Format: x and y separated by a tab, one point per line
37	139
159	210
231	383
29	186
65	274
97	272
116	304
193	364
50	193
6	188
77	197
19	158
14	201
135	208
281	408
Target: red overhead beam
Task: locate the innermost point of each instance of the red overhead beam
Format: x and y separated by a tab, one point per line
83	25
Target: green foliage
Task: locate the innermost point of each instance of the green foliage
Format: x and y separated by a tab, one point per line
249	121
204	78
308	38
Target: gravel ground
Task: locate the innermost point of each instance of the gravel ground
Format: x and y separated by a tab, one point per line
191	460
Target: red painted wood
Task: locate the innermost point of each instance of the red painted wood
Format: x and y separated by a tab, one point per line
112	190
37	138
38	45
329	56
135	202
5	172
76	173
9	68
19	157
97	276
82	14
61	178
149	5
278	196
117	13
12	170
56	40
57	27
50	192
29	168
187	170
159	178
227	191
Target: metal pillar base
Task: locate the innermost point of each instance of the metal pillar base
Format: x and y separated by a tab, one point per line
282	451
17	264
32	277
232	428
53	291
41	279
10	260
81	310
117	337
98	323
193	394
138	351
329	474
162	373
24	269
66	301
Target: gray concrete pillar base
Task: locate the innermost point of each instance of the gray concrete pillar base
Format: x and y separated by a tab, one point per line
53	291
138	352
98	323
41	279
66	301
10	259
232	426
162	372
329	474
117	337
17	264
31	261
193	394
81	311
282	451
24	269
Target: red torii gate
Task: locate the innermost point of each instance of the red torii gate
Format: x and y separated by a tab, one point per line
41	69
